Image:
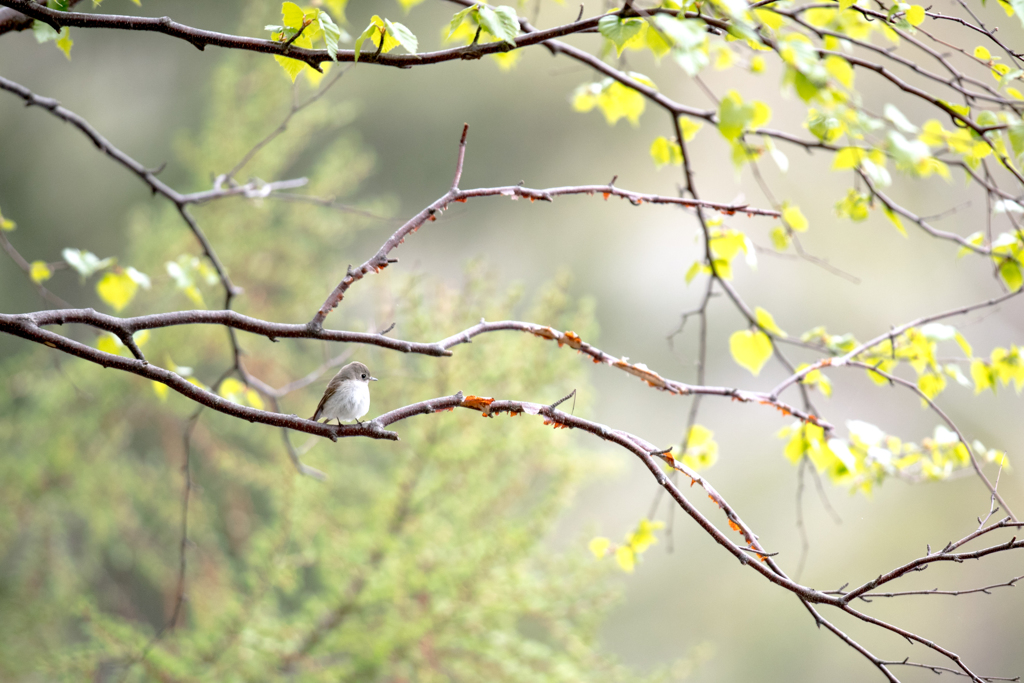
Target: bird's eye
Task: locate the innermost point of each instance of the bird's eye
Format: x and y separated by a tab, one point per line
364	375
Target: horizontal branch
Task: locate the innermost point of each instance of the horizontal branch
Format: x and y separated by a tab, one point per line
125	328
201	38
380	260
987	590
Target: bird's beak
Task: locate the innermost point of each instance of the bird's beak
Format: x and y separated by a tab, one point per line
372	379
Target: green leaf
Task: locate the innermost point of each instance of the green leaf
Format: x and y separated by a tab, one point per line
140	279
689	41
332	34
85	262
751	349
1016	133
619	30
500	22
403	35
899	120
734	115
43	32
460	17
367	32
1018	9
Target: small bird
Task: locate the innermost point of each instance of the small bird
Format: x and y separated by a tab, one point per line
347	396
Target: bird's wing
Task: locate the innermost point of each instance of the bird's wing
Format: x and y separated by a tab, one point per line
323	401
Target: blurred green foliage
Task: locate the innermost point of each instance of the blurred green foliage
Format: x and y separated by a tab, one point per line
417	560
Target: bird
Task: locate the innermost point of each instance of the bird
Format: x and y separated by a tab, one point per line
347	396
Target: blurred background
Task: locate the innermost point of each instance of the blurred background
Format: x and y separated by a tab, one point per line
385	140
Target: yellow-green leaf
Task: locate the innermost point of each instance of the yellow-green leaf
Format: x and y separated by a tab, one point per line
292	15
617	101
840	69
117	289
895	219
694	270
1010	272
160	389
734	115
6	223
770	19
885	366
40	272
780	238
762	114
931	385
847	158
665	152
689	127
626	558
794	217
983	377
983	54
108	343
252	397
961	340
751	349
701	448
64	42
767	321
231	389
599	546
643	538
915	15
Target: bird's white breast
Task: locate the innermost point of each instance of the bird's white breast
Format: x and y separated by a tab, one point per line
350	402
